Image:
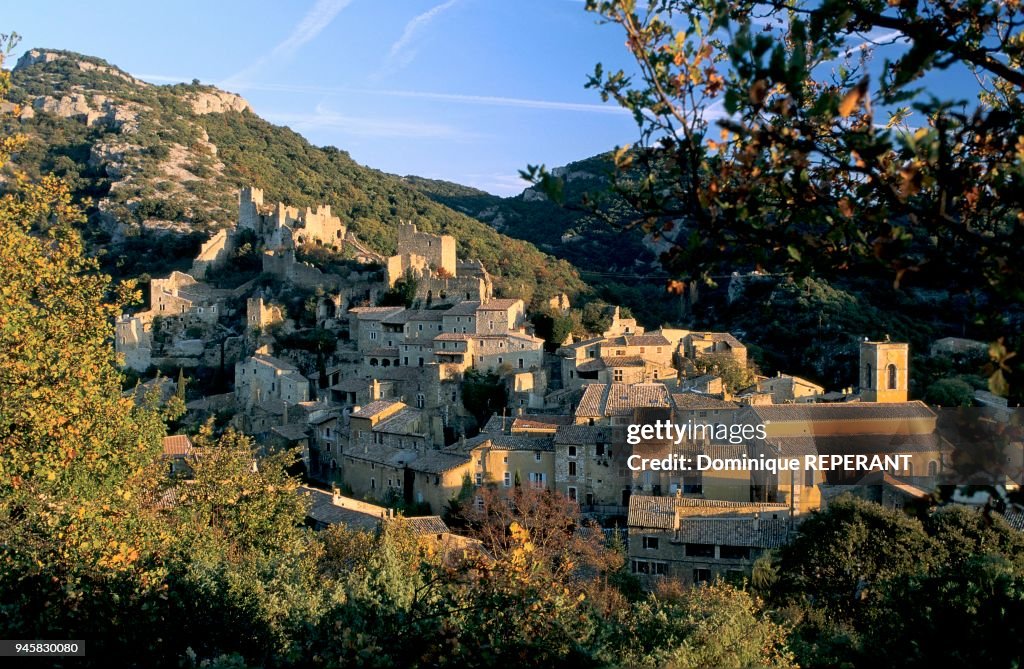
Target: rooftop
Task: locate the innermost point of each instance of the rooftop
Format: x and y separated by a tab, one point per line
177	445
464	308
660	512
374	408
438	462
846	411
499	304
618	399
692	401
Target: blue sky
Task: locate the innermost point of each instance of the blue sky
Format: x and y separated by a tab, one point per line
465	90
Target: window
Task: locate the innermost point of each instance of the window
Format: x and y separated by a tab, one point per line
508	479
479	479
373	335
599	449
520	363
648	567
537	479
572	451
572	494
891	369
734	552
650	543
933	468
505	459
421	400
701	575
373	484
700	550
536	456
617	375
572	469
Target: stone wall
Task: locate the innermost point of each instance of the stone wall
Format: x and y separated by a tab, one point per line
439	250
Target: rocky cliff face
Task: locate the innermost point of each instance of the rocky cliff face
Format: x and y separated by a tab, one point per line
217	102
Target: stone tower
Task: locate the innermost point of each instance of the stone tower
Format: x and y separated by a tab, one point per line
884	371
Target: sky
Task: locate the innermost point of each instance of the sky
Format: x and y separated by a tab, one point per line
470	91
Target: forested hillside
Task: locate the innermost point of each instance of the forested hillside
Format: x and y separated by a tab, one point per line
157	168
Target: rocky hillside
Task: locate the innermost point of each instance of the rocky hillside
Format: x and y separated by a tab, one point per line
621	264
157	168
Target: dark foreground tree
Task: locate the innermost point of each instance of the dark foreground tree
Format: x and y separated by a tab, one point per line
823	138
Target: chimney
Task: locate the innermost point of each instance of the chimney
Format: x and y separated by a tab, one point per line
374	391
757	521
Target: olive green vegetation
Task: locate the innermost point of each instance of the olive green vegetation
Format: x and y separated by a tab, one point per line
221	153
586	228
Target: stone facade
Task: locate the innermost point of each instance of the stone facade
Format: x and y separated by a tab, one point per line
263	377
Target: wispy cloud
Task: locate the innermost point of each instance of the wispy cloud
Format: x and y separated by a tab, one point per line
459	98
885	39
496	184
323	118
312	24
402	52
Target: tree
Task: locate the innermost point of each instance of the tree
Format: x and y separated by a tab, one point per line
402	294
950	393
716	625
825	162
735	375
483	394
78	463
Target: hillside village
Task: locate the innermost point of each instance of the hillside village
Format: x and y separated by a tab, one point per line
379	408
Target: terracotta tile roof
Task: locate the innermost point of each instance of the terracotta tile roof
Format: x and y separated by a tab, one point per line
515	442
352	385
374	408
425	525
177	445
404	421
464	308
438	462
660	512
692	401
454	336
540	422
619	399
591	365
578	435
846	411
291	432
650	339
407	315
611	361
499	304
748	532
497	424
